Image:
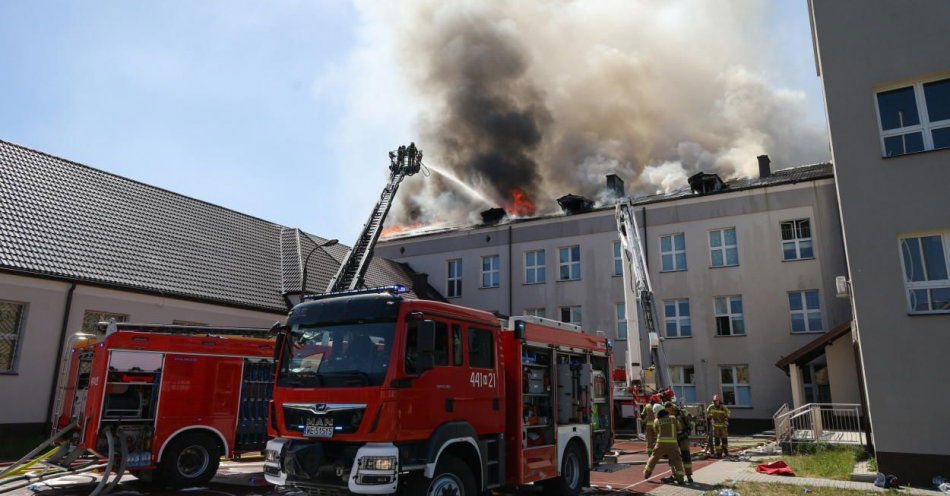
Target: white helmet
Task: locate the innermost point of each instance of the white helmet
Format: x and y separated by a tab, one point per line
657	408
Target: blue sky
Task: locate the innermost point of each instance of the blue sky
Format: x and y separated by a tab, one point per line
283	110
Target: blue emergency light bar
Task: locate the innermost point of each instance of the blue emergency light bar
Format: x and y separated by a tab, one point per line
392	288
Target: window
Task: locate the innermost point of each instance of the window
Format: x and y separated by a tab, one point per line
621	311
796	240
684	383
11	323
806	310
491	276
92	317
729	320
440	353
534	267
734	380
618	259
571	314
535	312
570	263
915	118
925	260
456	345
454	286
676	315
723	249
481	352
673	252
815	383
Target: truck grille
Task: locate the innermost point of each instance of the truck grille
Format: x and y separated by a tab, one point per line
344	421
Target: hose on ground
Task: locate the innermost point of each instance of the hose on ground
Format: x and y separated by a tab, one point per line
110	439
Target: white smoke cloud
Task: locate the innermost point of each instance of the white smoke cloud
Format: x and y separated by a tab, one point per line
550	95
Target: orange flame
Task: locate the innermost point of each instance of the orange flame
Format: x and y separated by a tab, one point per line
520	205
398	228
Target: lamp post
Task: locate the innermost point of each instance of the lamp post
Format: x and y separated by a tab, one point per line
306	261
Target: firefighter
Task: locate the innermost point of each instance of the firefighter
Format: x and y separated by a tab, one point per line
667	429
718	415
689	425
647	416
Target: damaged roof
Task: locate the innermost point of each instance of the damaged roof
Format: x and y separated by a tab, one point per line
69	221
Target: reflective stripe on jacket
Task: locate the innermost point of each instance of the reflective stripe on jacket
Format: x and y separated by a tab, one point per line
667	429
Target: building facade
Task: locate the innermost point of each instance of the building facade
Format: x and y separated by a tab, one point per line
886	80
742	275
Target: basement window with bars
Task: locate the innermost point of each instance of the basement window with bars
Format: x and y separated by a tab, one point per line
534	267
796	240
805	307
569	263
571	314
734	381
673	252
11	327
723	247
683	382
621	313
453	287
676	317
925	259
91	318
914	118
729	318
491	273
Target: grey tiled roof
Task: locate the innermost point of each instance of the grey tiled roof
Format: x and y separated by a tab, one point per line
66	220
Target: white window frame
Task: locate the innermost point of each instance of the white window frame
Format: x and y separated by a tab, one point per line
723	247
735	384
575	311
618	258
570	264
620	321
911	286
493	272
729	313
538	268
798	239
536	312
677	319
673	252
925	127
16	337
805	311
678	381
449	279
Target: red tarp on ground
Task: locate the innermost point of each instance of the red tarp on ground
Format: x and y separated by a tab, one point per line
775	468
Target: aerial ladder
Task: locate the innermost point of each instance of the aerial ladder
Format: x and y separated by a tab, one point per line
405	161
640	309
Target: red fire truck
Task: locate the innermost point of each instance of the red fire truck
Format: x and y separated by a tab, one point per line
166	402
378	394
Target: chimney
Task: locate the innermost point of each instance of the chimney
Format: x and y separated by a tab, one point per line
574	204
615	186
493	216
765	166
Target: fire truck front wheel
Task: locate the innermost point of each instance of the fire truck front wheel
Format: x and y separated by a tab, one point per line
452	477
190	459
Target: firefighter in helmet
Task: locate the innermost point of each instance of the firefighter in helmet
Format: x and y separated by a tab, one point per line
667	429
718	415
647	416
688	422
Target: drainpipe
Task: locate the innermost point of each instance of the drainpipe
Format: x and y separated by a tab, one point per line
511	264
865	420
59	354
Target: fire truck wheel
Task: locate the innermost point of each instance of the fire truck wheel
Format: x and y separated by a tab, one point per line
452	478
573	468
190	459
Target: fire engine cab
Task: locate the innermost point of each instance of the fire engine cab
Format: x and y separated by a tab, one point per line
377	394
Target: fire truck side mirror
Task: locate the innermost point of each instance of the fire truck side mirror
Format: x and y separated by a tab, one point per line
426	345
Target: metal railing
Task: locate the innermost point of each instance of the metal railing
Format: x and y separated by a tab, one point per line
833	423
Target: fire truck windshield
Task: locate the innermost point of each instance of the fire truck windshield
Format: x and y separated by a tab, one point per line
338	355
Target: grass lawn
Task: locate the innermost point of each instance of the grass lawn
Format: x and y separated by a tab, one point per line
762	489
826	462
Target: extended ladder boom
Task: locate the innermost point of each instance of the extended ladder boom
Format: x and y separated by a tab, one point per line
638	298
405	161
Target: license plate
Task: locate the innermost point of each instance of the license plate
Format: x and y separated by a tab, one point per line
319	427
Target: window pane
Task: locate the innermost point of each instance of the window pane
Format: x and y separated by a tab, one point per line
814	321
788	230
622	331
933	257
905	143
735	304
680	261
715	238
744	396
720	304
728	395
742	374
669	309
919	301
671	329
616	249
937	95
913	265
618	266
441	352
795	301
798	323
725	375
811	300
688	372
806	249
941	137
577	316
898	108
940	298
804	228
565	314
686	329
667	262
563	254
620	311
540	257
529	258
730	235
689	394
732	256
480	351
565	272
486	280
666	243
723	326
676	375
788	250
679	241
575	253
738	325
684	308
486	263
456	345
717	258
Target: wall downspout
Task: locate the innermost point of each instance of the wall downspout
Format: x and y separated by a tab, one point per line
511	265
59	354
865	419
